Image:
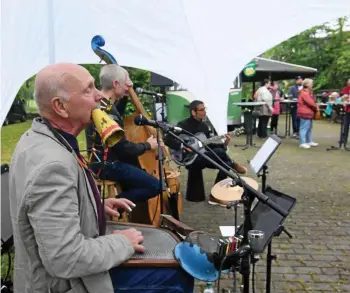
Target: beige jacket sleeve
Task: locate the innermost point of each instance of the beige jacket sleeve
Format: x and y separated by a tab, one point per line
53	210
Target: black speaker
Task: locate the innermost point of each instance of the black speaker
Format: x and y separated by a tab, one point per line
6	225
159	80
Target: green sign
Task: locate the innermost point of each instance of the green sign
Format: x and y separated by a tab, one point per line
249	69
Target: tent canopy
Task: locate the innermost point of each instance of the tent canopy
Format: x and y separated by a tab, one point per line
277	70
200	44
265	68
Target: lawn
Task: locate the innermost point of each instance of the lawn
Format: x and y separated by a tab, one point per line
11	134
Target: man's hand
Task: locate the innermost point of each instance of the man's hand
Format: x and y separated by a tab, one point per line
134	236
187	149
227	141
112	204
153	142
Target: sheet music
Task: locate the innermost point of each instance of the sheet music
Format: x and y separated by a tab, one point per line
227	231
263	155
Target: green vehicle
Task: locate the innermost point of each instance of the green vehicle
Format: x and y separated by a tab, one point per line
255	71
177	102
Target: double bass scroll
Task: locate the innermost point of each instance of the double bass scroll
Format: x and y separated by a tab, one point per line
148	212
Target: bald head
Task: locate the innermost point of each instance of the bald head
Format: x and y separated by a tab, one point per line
66	95
58	80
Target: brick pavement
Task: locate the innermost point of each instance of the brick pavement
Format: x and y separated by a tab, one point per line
317	259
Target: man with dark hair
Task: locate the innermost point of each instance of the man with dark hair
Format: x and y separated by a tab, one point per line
293	92
195	124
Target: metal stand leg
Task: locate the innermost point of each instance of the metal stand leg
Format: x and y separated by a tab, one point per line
288	122
248	122
341	138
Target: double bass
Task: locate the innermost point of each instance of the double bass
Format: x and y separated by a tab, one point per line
146	212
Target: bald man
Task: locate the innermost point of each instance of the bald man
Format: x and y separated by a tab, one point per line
56	211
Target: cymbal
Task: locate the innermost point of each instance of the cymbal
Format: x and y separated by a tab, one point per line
225	193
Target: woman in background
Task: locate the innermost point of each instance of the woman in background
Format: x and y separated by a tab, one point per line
265	111
275	92
306	112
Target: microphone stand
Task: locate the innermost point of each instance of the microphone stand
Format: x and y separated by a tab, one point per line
162	183
247	199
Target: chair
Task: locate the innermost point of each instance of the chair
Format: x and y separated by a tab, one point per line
195	185
113	188
112	191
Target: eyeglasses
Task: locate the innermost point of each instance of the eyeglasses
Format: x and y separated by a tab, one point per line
203	109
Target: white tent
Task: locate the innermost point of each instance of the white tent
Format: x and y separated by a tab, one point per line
212	40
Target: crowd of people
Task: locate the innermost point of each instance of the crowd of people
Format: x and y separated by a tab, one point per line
303	111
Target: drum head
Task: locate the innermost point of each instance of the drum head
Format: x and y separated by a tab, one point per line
225	193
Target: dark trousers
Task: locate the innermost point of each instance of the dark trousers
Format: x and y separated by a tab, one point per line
346	127
201	163
136	183
262	127
295	119
274	123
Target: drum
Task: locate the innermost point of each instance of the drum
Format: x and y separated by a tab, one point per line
174	206
225	193
159	243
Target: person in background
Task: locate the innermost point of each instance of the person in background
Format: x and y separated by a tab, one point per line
346	94
263	95
276	106
330	111
293	92
306	112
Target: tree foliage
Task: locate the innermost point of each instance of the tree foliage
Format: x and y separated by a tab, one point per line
140	78
325	47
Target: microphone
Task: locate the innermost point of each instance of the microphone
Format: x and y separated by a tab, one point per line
141	120
147	92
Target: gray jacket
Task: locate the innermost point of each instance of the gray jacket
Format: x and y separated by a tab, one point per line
264	95
54	218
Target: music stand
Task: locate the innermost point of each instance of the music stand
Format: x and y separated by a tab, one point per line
275	228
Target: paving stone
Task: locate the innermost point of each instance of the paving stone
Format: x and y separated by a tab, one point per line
318	255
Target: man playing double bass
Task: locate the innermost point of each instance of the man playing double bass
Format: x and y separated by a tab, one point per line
122	160
195	124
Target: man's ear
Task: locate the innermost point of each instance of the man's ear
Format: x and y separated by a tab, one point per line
115	84
59	107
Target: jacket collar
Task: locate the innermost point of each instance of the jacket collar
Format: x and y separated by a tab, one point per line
39	126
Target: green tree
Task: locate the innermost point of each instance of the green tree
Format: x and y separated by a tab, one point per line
325	47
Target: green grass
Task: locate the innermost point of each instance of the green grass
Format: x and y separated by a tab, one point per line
11	134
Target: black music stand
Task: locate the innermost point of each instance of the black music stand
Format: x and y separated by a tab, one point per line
265	219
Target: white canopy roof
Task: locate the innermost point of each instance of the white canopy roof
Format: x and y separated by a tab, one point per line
212	40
